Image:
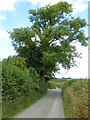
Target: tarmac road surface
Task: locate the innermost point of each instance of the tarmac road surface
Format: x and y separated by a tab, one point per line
50	106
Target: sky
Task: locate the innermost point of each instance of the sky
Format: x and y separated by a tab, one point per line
14	14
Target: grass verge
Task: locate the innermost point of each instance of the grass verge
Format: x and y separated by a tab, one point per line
12	108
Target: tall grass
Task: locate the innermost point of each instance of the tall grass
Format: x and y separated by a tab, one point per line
76	99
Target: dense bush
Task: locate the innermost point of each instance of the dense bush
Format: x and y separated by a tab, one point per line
19	83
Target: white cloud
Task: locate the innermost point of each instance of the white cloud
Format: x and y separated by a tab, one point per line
2	17
77	72
7	5
5	45
3	34
79	6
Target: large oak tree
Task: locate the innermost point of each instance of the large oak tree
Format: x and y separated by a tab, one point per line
48	42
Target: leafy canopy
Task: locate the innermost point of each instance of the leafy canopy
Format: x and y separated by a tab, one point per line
48	42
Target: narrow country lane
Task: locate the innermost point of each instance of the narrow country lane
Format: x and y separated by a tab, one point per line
50	106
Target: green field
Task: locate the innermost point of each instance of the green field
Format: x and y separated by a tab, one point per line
75	97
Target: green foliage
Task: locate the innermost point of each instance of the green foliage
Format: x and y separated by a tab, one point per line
48	42
19	83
